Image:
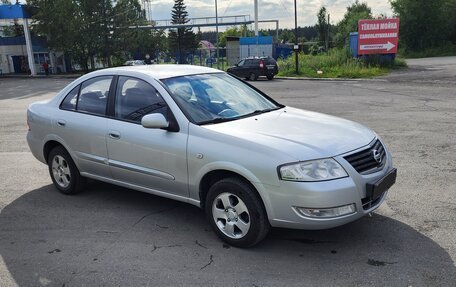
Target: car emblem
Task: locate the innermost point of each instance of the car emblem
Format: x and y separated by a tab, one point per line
377	156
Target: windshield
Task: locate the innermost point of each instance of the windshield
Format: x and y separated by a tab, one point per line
213	98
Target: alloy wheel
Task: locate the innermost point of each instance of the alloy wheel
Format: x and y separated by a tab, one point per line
231	215
61	171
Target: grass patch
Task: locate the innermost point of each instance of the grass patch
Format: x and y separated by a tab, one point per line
337	63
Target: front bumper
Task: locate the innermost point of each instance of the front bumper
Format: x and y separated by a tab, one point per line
282	200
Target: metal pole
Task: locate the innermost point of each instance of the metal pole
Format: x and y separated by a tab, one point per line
277	30
327	35
296	39
255	3
217	33
28	42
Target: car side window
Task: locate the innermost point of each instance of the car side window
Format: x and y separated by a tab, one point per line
135	98
69	103
248	62
93	96
270	61
241	63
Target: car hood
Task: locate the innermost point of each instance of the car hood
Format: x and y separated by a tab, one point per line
301	134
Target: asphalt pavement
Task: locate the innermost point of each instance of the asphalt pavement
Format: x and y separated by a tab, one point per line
112	236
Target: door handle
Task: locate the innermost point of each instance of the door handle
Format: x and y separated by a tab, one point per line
61	123
114	135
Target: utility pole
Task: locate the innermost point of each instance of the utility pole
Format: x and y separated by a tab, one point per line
327	34
217	34
296	47
28	41
255	3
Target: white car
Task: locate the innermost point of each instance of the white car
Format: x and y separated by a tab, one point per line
201	136
134	63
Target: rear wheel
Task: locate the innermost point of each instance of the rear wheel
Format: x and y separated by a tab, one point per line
270	76
236	212
64	173
253	77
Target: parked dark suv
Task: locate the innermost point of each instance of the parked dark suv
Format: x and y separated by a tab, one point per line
252	68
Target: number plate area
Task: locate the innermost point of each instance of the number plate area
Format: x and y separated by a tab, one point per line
376	189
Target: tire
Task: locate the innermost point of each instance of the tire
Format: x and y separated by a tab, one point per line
253	77
270	76
243	227
64	173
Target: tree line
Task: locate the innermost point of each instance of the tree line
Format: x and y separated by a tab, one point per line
86	29
108	30
424	24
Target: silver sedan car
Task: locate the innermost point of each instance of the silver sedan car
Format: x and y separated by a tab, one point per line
204	137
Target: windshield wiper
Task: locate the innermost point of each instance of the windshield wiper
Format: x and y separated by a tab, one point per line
257	112
217	120
222	120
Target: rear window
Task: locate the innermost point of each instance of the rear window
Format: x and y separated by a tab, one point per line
94	95
69	103
89	97
269	61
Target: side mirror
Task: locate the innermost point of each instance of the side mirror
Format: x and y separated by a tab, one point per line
154	121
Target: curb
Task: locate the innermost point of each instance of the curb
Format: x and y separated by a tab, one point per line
14	76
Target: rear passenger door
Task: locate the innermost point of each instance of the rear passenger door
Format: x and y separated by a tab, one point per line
151	158
81	123
248	69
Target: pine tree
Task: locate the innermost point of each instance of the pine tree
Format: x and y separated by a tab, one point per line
181	40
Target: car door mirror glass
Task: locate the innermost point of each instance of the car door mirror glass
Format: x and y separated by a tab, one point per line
154	121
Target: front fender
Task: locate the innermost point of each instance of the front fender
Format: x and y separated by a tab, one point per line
194	187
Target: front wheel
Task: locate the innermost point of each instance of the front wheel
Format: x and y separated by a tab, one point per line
236	212
64	173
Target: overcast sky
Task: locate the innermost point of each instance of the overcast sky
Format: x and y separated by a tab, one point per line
283	10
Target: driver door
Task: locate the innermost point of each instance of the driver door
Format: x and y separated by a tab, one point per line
151	158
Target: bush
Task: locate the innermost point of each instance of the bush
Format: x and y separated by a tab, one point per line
337	63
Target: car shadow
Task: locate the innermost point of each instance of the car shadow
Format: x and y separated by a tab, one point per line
112	236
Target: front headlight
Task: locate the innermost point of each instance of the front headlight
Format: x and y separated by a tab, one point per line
313	170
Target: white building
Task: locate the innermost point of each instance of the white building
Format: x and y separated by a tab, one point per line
14	60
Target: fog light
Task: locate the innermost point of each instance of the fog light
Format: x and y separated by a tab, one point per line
327	212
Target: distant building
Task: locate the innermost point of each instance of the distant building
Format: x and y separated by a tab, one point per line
205	48
256	46
14	60
232	50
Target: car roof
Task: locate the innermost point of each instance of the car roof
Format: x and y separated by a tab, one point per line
260	57
160	71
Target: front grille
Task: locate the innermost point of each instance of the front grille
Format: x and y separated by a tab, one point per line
365	162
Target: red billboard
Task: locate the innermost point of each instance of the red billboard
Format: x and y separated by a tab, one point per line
378	36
